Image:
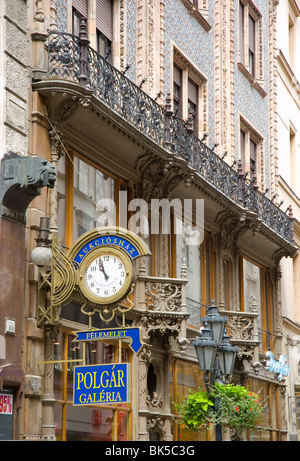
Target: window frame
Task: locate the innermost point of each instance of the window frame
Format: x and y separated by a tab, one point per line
64	370
207	270
266	328
190	73
76	17
69	191
249	136
252	69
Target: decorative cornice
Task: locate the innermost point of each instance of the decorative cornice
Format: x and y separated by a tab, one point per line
197	14
254	82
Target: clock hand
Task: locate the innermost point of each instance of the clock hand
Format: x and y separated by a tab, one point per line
101	268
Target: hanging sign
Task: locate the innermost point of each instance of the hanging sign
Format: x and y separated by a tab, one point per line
280	368
6	404
101	384
113	333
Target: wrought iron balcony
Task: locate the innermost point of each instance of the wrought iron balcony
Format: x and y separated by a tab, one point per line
71	58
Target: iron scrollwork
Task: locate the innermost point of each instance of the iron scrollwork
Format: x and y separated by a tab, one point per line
131	103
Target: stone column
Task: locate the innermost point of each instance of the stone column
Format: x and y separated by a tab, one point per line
48	400
55	154
144	360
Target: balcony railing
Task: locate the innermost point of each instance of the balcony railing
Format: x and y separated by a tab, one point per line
72	58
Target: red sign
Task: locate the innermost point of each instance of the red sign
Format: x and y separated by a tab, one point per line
6	404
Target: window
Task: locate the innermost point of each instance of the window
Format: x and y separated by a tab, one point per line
251	146
80	8
296	406
251	51
241	32
185	96
189	93
227	277
177	88
192	255
257	291
293	160
82	186
104	26
193	103
250	43
293	35
75	22
201	274
269	421
108	423
184	376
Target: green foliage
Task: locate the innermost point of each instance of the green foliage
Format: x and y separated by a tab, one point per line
238	408
196	409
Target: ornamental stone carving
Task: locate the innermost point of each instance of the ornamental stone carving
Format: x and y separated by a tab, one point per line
22	178
163	296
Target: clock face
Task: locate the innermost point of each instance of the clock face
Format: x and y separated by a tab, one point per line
106	277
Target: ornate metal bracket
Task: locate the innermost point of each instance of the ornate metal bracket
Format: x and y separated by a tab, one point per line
59	284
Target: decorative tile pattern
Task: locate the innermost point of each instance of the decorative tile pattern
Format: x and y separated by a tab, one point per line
247	101
184	31
131	39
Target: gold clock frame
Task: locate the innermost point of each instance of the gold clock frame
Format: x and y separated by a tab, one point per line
62	283
130	276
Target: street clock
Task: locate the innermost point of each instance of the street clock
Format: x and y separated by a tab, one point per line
106	275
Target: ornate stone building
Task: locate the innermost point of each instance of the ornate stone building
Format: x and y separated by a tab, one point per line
288	119
132	102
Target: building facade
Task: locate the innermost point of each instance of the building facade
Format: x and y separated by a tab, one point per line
288	156
132	107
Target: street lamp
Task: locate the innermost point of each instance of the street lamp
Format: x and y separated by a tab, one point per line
227	354
216	356
41	255
206	350
215	322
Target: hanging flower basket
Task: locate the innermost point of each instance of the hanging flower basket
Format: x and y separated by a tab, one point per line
238	408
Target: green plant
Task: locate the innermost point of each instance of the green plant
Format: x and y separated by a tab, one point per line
238	408
195	411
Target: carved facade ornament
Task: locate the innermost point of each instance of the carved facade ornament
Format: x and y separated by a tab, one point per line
234	226
65	110
156	424
160	177
163	296
160	324
22	179
145	355
156	402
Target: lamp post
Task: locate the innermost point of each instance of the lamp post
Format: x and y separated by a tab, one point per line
216	356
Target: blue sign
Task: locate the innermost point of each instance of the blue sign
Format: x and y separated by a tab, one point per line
112	333
280	368
114	240
101	384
